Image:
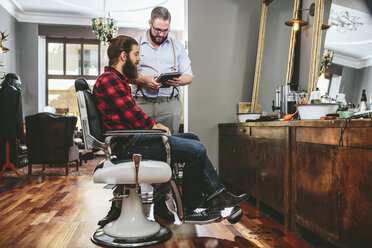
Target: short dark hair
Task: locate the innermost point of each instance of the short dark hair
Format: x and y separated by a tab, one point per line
117	45
160	12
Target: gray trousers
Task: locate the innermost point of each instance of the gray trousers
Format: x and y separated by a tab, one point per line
164	110
167	111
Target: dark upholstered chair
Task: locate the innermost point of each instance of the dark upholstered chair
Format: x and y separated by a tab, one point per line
49	140
132	228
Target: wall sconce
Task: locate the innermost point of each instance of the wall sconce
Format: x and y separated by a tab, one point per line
325	26
297	23
3	38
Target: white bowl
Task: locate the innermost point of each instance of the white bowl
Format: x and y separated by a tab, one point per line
243	117
315	111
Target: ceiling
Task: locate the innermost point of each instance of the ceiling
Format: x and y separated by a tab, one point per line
352	48
127	13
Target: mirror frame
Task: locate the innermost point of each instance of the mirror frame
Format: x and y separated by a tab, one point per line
315	48
260	48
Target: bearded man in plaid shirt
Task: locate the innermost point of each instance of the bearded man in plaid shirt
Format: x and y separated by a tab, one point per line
118	110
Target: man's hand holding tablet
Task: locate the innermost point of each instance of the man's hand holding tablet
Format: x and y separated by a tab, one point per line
164	77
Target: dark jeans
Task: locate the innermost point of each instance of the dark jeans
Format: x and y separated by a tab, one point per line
199	175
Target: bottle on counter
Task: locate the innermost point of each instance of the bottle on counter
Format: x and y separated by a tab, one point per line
315	97
291	102
363	102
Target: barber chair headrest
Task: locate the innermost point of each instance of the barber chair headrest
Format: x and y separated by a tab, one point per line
12	79
81	84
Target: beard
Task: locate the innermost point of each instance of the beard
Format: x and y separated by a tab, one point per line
130	70
153	38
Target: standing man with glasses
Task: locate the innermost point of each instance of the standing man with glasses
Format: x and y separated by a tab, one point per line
159	54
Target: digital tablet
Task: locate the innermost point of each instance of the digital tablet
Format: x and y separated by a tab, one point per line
164	77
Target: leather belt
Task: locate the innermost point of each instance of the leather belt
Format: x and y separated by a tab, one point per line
159	98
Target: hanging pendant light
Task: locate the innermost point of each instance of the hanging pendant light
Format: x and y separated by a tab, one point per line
104	27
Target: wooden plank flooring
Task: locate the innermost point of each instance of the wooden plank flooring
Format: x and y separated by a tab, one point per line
62	211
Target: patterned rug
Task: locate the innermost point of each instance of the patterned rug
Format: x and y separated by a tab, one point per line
55	170
11	180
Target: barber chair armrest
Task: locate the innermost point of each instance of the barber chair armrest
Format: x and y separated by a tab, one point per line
125	133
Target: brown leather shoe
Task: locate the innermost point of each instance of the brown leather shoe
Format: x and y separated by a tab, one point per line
226	199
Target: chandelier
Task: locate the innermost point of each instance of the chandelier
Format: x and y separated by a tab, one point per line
343	21
3	38
104	27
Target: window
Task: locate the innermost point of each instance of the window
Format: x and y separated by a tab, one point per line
68	59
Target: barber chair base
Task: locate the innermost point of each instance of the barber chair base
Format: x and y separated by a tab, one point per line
132	228
102	239
147	194
132	222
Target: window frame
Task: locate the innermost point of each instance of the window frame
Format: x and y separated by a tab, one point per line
65	41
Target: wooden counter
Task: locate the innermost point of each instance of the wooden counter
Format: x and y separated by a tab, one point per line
302	170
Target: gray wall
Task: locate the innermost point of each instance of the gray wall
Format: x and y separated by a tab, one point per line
353	81
222	47
27	64
349	84
8	24
22	58
365	83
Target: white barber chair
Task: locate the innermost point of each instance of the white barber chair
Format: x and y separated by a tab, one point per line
132	228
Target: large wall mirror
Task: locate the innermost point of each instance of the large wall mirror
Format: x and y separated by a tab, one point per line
274	52
350	40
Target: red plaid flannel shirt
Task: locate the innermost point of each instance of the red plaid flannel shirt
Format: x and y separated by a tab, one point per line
116	106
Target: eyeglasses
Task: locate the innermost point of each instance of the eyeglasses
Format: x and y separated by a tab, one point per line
159	31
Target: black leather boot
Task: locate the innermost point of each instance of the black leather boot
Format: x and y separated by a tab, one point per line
112	215
226	199
162	213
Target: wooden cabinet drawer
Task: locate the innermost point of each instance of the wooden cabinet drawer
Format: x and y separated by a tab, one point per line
227	131
233	131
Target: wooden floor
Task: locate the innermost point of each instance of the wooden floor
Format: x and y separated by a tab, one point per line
62	211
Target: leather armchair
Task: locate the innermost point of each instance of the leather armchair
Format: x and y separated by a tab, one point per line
49	140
